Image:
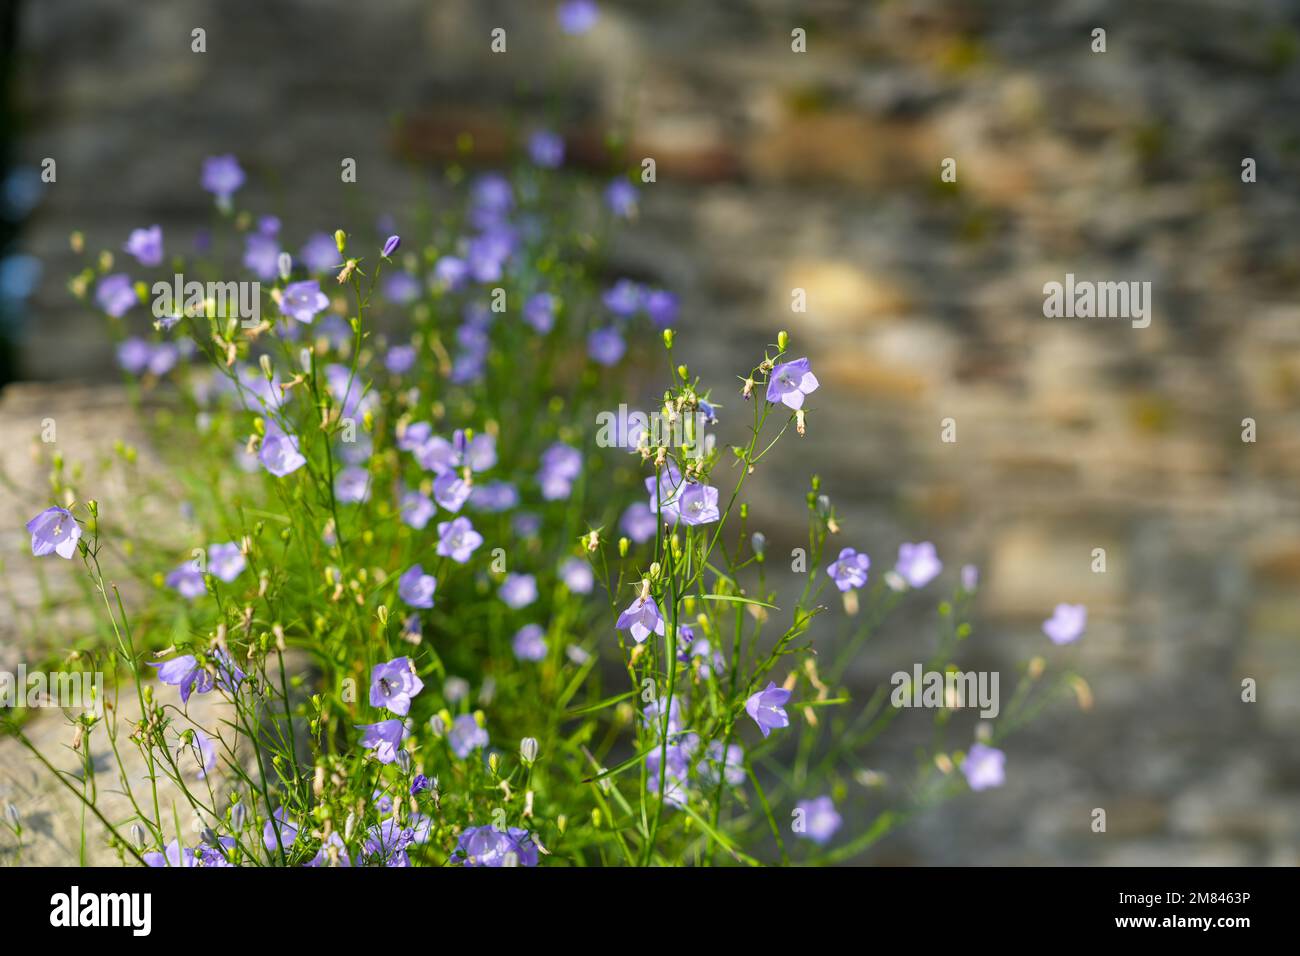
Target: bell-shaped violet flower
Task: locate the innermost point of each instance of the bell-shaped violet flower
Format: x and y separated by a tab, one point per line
278	832
577	16
116	295
457	539
606	346
175	855
790	382
226	561
661	306
55	531
466	736
393	684
323	856
676	781
620	198
539	312
488	846
820	819
731	768
417	509
319	253
222	176
918	564
400	359
561	466
638	522
279	453
188	675
262	255
451	491
984	767
546	149
849	570
187	581
146	245
384	738
529	643
417	588
577	576
352	485
767	707
301	301
387	842
665	489
641	618
1067	623
518	590
698	504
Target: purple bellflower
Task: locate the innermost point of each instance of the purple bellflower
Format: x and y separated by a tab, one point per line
55	531
767	707
393	684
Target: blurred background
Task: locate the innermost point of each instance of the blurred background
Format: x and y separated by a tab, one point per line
821	171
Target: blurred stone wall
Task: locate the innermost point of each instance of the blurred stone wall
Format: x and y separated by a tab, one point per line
820	171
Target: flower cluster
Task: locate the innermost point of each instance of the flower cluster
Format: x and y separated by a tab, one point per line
425	516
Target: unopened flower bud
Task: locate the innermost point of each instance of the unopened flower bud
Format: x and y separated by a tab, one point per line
758	541
238	816
14	816
285	262
668	338
340	240
623	545
137	835
404	761
391	245
782	340
528	750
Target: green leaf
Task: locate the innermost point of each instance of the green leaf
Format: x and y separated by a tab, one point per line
599	705
739	600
